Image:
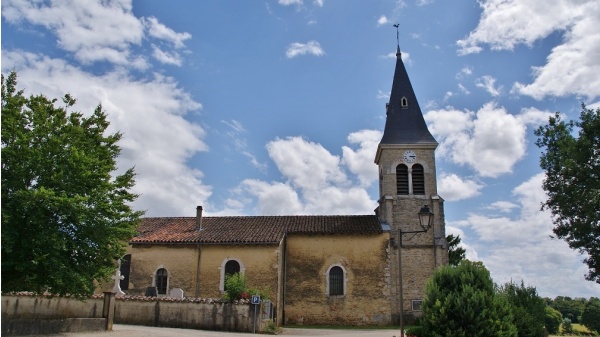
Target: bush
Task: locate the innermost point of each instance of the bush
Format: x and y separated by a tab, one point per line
237	289
553	320
462	302
528	309
235	286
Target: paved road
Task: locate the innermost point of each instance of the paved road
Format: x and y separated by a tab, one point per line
120	330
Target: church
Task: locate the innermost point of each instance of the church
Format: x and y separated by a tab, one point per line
339	269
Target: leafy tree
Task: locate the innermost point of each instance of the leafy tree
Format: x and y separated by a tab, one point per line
553	320
591	314
527	307
569	308
455	252
462	302
65	219
567	326
572	182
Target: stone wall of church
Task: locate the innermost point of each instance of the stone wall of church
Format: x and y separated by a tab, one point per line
178	260
367	286
257	262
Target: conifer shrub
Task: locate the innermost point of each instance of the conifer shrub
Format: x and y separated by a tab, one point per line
462	302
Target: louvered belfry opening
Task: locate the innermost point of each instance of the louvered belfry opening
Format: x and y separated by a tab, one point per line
402	179
336	281
418	179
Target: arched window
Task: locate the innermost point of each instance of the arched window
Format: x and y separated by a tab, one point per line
231	267
336	281
161	279
125	268
402	179
404	102
418	179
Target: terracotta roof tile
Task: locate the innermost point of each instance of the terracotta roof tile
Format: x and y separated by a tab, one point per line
249	229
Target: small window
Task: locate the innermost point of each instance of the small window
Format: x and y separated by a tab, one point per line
418	180
402	179
416	305
162	277
336	281
125	268
404	102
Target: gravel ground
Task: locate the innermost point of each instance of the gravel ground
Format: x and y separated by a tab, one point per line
120	330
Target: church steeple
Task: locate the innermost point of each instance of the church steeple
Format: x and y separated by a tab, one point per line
404	123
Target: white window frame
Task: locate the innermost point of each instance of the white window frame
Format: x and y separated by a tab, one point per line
416	303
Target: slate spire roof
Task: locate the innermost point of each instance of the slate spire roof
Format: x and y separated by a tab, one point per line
404	123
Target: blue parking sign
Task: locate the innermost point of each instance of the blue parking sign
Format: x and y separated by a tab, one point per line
255	299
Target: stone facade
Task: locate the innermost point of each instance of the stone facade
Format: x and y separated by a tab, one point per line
366	288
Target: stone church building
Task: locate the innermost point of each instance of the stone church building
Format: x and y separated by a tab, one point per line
340	269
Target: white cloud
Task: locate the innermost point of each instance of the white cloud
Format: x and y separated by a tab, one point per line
98	31
93	31
464	72
503	206
488	84
290	2
315	180
506	23
382	20
570	68
157	140
307	165
166	57
520	248
453	188
160	31
490	141
360	162
311	48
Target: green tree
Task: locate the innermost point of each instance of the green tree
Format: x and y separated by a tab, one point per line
572	182
553	320
462	302
569	308
591	314
455	252
567	326
65	218
528	309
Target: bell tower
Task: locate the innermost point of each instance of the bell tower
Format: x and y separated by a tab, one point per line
407	187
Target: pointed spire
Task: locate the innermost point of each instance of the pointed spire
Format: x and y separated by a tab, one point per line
404	123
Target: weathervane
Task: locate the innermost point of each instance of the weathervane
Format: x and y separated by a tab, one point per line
397	34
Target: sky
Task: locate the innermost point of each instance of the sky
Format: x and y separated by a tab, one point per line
276	107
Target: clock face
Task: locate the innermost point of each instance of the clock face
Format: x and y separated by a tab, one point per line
410	157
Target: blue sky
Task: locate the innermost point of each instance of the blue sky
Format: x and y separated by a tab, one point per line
277	107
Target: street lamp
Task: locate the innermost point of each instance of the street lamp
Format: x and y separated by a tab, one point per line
425	221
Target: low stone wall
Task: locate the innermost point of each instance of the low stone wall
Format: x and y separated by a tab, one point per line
68	313
206	315
32	315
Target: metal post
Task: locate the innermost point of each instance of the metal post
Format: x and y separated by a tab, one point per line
401	283
254	318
